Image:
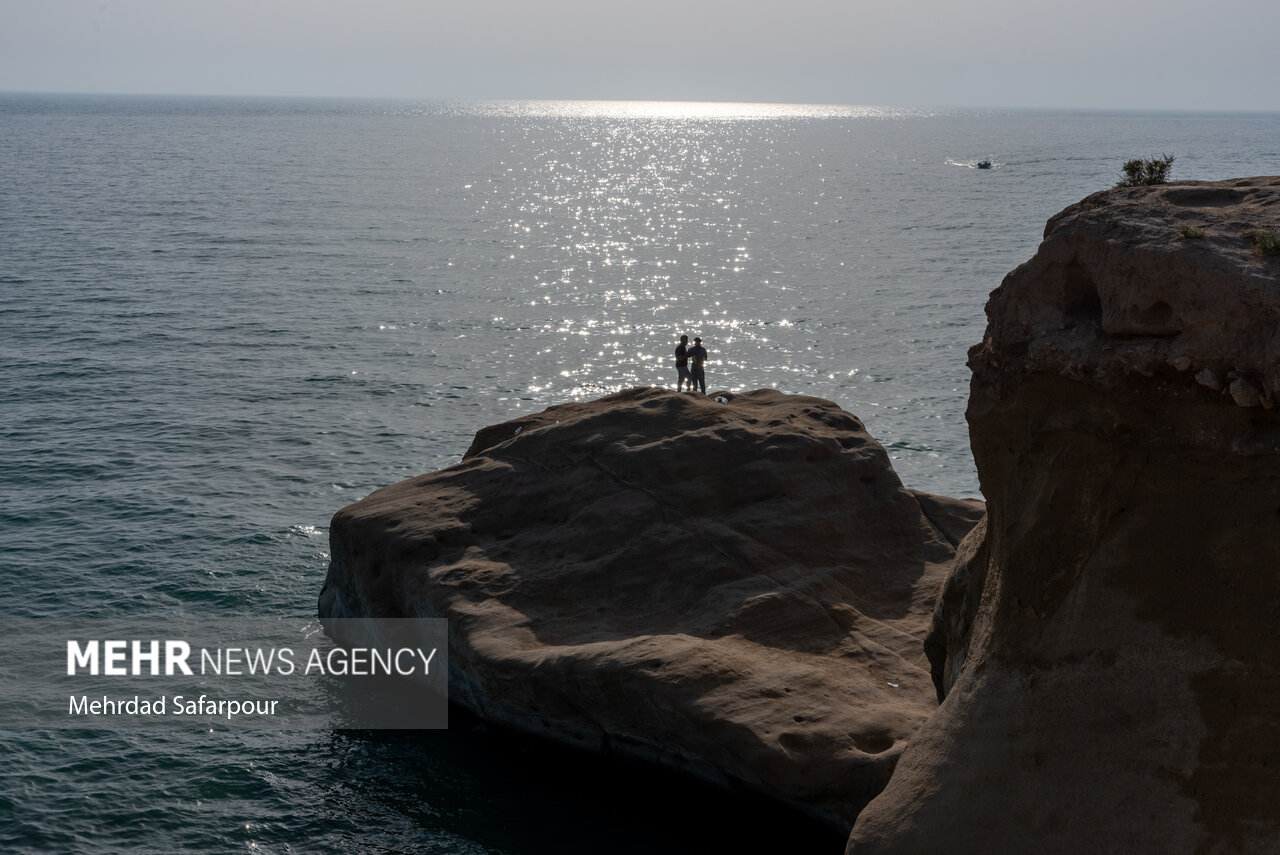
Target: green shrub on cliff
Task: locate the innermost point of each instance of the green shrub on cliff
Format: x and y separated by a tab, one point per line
1264	242
1143	172
1190	233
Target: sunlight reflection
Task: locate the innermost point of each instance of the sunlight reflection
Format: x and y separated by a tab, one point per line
691	110
605	230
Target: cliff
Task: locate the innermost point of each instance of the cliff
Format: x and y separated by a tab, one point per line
1107	643
736	590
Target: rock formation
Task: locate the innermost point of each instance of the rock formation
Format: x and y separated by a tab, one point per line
738	590
1109	643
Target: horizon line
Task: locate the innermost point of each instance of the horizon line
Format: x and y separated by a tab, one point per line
442	99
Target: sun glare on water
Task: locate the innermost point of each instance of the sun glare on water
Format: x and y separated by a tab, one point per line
682	110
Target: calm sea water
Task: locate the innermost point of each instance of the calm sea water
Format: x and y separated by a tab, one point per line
224	319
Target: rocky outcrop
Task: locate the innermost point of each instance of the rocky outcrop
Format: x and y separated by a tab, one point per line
739	590
1108	645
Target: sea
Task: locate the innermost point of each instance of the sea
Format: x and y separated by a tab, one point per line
223	319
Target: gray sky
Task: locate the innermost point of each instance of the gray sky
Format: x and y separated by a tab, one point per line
1151	54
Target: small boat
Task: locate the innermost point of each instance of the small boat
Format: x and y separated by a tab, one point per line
984	164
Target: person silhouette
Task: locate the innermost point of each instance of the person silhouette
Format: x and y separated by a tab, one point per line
682	364
697	358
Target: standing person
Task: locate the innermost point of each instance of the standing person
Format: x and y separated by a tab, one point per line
682	364
697	356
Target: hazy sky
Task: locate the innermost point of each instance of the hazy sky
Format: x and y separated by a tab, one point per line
1220	54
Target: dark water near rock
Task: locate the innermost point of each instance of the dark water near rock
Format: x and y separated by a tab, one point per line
224	319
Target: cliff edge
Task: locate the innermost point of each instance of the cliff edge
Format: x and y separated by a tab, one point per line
737	590
1107	644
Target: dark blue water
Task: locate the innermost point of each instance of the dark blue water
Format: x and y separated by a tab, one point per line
224	319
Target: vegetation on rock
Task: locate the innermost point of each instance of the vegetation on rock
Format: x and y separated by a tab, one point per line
1142	172
1264	242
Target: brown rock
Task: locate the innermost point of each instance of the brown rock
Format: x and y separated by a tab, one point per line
739	590
1108	642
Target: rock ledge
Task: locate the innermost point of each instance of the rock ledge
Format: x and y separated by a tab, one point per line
738	590
1107	643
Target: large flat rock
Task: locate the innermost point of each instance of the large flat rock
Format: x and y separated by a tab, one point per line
737	590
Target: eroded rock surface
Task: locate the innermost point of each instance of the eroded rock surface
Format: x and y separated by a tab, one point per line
1108	644
738	590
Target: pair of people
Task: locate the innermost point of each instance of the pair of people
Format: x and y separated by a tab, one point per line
689	362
